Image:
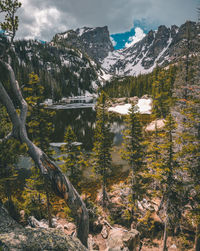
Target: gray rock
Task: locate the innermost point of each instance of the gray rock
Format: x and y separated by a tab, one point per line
14	237
93	41
120	239
161	47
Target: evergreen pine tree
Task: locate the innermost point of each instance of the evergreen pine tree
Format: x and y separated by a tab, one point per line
39	127
102	144
133	152
39	119
163	168
72	158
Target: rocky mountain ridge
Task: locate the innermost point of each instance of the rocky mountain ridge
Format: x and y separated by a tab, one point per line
93	41
161	47
77	62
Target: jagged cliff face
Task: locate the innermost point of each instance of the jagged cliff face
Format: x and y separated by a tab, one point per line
161	47
95	42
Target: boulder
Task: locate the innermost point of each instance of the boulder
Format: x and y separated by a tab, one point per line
159	123
122	240
15	237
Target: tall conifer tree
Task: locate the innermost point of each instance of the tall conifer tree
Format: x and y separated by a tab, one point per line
133	152
102	144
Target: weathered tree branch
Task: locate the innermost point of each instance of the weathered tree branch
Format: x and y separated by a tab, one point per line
60	183
17	90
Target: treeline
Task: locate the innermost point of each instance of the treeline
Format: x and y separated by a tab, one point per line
131	86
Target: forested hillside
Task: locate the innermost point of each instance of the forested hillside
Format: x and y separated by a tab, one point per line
63	71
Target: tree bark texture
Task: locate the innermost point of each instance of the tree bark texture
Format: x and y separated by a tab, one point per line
60	183
49	210
165	234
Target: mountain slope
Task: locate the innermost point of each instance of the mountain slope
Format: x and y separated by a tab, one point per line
75	63
93	41
62	70
161	47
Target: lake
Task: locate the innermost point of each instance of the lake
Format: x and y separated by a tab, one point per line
81	116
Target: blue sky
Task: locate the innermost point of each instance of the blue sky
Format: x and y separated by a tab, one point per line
122	38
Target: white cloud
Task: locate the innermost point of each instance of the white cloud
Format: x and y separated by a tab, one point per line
42	22
45	18
139	35
113	41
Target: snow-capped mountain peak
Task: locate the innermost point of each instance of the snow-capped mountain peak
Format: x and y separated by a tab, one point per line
159	47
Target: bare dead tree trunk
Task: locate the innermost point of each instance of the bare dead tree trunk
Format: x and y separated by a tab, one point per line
104	190
165	231
49	210
59	182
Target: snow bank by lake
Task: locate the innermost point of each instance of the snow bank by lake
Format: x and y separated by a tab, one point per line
122	109
144	107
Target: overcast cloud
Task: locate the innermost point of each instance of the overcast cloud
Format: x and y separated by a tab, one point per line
41	19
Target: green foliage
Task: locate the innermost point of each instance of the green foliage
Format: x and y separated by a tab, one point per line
10	151
39	119
143	84
165	170
102	139
162	87
187	92
72	158
102	143
5	124
133	152
10	7
34	195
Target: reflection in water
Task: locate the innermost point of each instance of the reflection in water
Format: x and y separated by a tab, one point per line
82	122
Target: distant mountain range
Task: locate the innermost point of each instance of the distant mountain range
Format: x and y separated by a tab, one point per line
161	47
77	62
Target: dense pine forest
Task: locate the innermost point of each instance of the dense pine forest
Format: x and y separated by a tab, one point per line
149	201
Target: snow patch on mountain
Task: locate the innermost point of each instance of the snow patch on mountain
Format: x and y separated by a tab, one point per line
83	30
139	35
144	52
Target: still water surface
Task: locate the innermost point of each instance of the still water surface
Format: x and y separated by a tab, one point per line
82	121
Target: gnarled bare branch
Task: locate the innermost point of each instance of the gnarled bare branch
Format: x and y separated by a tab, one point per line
17	91
60	183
